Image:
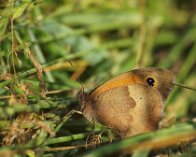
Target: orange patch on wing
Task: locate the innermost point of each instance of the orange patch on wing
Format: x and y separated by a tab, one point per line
122	80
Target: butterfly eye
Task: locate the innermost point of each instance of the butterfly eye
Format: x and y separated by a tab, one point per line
150	81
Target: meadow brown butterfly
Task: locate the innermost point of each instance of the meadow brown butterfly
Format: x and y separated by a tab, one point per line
131	103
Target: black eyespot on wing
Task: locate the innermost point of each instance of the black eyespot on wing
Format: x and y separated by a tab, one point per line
150	81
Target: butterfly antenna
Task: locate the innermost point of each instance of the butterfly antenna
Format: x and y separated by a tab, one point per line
184	86
69	61
81	86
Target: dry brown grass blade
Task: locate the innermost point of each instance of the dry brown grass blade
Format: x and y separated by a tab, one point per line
164	142
78	67
39	73
67	147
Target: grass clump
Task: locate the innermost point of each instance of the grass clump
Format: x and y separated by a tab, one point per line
48	47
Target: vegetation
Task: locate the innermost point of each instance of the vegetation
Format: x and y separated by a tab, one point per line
48	47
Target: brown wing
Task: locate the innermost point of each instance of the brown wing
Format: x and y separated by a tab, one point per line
129	110
113	109
148	111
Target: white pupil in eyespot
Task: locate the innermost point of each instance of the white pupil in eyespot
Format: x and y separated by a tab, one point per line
150	81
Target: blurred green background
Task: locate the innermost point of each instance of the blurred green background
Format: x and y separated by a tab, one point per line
90	42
